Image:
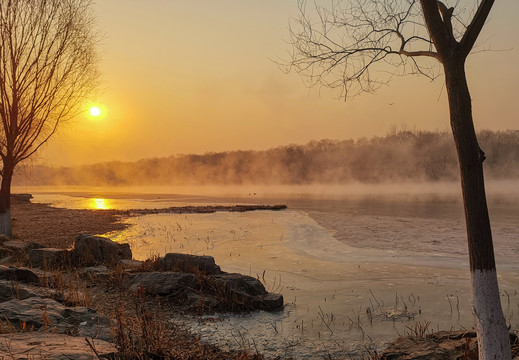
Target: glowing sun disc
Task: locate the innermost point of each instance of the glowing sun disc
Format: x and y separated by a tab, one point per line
95	111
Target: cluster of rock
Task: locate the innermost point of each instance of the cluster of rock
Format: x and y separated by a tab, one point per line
88	250
200	283
34	322
72	332
195	281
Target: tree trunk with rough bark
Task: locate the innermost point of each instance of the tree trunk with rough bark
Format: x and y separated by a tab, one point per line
493	338
5	198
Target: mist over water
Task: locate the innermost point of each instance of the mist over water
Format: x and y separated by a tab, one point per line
399	157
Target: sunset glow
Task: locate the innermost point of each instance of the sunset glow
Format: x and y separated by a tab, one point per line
95	111
168	98
99	204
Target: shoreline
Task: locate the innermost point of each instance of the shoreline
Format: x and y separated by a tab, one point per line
58	227
65	229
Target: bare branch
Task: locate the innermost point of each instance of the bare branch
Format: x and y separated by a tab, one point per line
359	45
474	28
47	70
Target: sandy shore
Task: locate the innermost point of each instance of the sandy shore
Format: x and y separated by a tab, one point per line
58	227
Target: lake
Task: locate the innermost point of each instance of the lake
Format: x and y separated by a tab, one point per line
357	265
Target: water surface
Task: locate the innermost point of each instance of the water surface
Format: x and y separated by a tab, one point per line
355	271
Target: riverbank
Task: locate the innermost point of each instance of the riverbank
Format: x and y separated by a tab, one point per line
267	237
57	227
143	326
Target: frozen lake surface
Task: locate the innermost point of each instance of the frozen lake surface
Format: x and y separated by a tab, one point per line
355	271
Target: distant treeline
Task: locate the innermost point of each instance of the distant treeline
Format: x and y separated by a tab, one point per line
398	156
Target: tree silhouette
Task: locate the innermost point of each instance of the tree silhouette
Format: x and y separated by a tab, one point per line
350	46
47	69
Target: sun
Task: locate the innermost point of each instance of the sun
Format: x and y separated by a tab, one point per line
95	111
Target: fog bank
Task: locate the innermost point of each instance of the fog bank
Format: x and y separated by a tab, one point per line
399	157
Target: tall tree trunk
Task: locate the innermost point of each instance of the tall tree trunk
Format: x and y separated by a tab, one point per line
493	337
5	198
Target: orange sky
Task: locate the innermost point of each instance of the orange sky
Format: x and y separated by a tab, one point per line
196	76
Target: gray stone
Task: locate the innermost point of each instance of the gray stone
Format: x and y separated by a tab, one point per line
11	290
269	302
240	284
223	292
92	250
49	258
190	263
247	291
160	283
47	314
23	275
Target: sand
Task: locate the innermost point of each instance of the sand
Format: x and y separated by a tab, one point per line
58	228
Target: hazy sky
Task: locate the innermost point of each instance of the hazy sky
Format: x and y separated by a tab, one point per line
197	76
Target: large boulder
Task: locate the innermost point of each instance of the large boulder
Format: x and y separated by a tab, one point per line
160	283
47	314
247	292
92	250
190	263
222	292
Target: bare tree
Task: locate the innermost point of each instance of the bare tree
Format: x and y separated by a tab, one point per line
358	45
47	69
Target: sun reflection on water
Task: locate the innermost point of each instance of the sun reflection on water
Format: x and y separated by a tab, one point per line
99	204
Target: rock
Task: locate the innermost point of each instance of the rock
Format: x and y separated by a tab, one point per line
200	302
190	263
131	264
443	345
10	290
23	275
270	301
223	292
92	250
47	314
49	258
6	260
248	292
160	283
16	248
44	345
20	245
21	197
240	284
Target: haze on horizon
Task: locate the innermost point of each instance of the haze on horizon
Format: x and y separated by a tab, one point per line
193	77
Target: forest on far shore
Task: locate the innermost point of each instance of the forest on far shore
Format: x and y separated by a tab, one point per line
400	156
